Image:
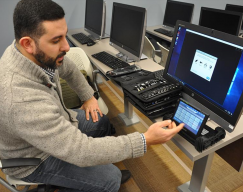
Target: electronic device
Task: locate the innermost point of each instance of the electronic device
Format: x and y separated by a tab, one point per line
149	92
149	88
129	78
175	10
193	118
195	129
154	110
221	20
236	8
128	30
123	71
159	74
95	18
209	66
90	43
208	140
165	32
83	39
110	60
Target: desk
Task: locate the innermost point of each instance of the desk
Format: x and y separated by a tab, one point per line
202	161
103	45
151	31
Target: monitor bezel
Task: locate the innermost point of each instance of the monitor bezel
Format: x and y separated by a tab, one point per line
132	54
218	115
180	3
222	11
96	34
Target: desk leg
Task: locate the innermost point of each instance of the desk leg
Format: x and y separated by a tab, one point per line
128	117
199	176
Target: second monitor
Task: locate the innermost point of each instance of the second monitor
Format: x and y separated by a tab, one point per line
221	20
174	11
177	11
128	30
236	8
95	18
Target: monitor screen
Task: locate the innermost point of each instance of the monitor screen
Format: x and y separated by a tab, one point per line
128	29
236	8
94	16
221	20
209	65
177	11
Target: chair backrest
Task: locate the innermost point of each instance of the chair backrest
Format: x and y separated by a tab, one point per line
148	48
79	57
165	53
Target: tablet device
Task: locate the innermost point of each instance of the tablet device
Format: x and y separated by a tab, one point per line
193	118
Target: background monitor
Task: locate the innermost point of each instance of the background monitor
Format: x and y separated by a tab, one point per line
236	8
128	27
221	20
95	18
177	11
209	65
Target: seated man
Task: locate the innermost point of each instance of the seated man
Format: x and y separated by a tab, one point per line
35	123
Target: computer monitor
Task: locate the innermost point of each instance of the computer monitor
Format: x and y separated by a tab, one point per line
221	20
95	18
209	65
236	8
128	27
176	10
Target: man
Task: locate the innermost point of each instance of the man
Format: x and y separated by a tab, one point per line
35	123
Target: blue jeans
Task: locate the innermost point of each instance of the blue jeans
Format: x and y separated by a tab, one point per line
71	178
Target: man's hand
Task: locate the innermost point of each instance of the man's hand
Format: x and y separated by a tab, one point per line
91	106
156	134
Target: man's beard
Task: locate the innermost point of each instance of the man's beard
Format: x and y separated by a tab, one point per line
47	61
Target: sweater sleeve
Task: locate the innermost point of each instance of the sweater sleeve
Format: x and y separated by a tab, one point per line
75	79
40	124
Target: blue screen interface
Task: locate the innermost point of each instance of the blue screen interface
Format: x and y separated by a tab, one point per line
190	116
211	67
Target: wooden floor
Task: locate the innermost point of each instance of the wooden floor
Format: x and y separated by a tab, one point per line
158	170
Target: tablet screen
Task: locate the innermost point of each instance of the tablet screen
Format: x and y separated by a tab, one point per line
191	117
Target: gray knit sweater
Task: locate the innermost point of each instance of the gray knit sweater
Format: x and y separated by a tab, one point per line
35	123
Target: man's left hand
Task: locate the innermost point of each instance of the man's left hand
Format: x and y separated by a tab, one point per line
91	106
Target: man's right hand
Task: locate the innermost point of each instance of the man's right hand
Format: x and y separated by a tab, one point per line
157	135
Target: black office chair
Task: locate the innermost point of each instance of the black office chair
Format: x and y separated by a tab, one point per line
13	183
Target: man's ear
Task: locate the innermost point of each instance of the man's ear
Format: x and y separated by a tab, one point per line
28	44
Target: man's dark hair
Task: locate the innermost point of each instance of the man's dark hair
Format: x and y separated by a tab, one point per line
29	15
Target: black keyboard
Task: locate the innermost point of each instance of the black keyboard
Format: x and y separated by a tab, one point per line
165	32
110	60
82	38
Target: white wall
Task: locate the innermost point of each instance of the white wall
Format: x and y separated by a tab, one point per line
75	9
6	23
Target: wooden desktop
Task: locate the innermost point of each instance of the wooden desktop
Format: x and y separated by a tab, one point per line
202	161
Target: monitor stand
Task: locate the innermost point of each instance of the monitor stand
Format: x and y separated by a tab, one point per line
125	58
105	36
92	35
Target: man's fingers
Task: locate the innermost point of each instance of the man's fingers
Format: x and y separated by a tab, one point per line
176	129
164	123
101	114
87	114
